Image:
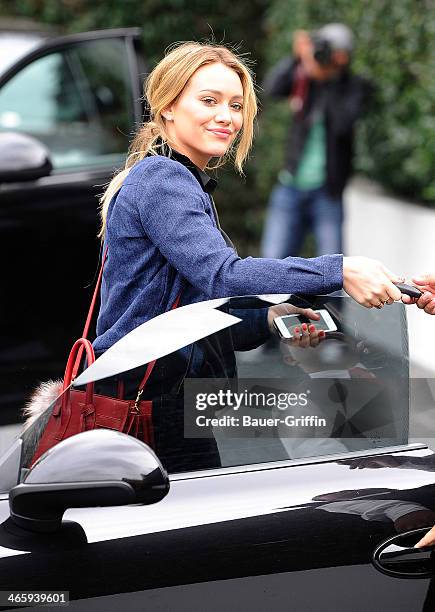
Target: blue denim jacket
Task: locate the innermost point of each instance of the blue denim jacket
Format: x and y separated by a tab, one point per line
163	239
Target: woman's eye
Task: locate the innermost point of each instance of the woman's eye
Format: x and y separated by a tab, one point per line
237	106
208	100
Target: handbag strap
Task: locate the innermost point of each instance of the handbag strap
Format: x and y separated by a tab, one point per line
75	369
89	317
82	344
150	366
94	297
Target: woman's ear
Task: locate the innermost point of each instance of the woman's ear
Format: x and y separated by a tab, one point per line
167	113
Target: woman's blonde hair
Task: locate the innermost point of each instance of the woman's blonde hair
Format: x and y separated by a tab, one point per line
162	87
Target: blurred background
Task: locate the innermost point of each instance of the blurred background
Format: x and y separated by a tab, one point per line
389	205
394	48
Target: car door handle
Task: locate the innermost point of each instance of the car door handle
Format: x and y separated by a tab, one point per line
398	556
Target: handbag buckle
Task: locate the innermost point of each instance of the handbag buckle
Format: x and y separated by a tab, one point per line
135	408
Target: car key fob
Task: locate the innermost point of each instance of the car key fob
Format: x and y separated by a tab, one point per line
409	290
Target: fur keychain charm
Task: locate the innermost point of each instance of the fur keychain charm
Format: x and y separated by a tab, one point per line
42	397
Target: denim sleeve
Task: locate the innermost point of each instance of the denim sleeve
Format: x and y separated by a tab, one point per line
252	331
172	210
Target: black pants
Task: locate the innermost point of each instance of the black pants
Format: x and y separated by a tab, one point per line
176	452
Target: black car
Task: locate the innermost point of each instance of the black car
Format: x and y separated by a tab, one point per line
68	105
313	516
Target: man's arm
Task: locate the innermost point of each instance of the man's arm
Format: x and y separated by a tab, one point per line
278	82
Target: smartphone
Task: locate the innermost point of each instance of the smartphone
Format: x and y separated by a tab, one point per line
287	323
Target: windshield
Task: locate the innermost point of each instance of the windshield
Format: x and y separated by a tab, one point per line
237	381
14	46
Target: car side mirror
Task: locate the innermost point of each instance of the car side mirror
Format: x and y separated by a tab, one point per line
94	468
22	158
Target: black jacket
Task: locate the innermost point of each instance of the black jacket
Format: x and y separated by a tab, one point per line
343	102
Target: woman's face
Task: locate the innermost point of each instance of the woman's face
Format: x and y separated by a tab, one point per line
206	117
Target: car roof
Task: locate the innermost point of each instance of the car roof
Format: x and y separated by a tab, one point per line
19	39
15	45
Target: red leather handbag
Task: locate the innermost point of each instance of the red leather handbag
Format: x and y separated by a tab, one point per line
77	411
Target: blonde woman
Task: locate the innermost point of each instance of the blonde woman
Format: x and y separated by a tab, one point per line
160	224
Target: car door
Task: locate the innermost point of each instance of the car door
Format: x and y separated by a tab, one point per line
289	518
80	96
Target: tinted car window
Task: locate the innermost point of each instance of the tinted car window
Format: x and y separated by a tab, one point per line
348	393
80	106
241	396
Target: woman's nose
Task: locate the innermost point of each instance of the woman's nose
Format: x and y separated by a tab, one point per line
223	115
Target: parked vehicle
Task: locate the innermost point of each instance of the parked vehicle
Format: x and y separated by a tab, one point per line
67	107
324	519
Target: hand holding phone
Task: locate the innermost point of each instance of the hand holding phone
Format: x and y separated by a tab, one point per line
286	324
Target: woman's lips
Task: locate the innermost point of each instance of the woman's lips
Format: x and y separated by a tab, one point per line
221	133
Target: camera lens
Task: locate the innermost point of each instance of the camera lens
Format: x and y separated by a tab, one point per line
322	51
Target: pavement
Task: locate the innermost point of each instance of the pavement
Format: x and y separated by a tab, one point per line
402	235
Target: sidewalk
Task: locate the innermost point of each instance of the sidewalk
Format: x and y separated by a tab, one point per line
402	236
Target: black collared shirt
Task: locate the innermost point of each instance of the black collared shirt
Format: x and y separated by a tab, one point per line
208	183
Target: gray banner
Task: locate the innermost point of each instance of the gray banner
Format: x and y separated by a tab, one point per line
309	408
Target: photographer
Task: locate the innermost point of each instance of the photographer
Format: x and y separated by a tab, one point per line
325	99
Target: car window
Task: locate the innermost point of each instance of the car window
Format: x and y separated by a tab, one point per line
81	105
237	395
349	392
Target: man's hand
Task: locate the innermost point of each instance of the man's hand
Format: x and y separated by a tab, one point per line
302	45
426	302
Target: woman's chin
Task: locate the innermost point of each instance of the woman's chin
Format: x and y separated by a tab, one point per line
217	151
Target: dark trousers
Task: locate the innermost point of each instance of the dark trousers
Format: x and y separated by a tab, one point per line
176	452
292	213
